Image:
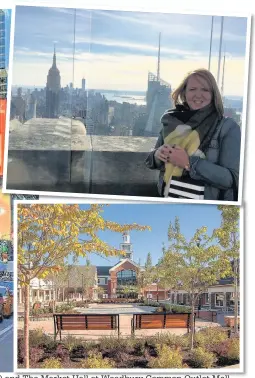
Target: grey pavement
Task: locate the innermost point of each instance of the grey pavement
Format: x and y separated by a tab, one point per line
116	309
6	346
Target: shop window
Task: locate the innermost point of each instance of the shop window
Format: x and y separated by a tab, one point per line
219	300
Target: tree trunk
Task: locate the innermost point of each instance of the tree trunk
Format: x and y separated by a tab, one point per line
55	293
170	304
26	326
236	297
192	323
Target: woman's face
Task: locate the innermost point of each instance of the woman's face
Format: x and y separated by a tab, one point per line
197	93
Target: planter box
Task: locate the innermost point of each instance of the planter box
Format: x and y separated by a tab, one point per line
230	321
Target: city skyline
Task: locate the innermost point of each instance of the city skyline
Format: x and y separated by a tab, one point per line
105	56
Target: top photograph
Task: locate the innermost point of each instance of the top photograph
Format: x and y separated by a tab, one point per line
138	105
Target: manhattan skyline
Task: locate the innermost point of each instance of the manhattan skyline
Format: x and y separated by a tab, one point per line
115	50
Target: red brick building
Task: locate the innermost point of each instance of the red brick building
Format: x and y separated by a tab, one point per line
117	282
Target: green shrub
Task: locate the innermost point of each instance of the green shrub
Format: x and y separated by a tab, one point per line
228	351
82	304
51	363
167	358
118	344
64	308
210	337
234	349
96	361
173	340
151	303
139	346
200	358
71	342
179	309
38	337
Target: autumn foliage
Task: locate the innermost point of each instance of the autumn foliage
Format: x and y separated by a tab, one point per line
48	234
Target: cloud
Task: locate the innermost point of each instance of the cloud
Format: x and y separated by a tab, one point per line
157	21
114	72
116	49
140	47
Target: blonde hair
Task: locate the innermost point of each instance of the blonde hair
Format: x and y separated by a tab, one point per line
178	94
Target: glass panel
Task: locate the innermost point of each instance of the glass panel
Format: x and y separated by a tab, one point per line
41	101
126	277
219	300
81	142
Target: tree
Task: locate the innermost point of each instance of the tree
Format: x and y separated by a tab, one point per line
148	263
199	263
228	236
81	278
146	275
58	280
48	234
166	272
100	291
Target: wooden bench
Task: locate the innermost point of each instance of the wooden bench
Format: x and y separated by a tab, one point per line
160	321
76	322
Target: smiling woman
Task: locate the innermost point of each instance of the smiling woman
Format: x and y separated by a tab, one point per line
198	150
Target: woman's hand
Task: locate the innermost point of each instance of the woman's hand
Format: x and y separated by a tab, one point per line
162	153
178	157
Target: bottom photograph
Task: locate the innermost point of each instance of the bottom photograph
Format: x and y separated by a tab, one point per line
128	286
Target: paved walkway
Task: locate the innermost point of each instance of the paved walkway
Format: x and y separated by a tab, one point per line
125	312
115	309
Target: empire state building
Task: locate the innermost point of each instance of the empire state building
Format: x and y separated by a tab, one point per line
53	90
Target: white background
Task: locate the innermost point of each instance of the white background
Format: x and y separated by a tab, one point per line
237	7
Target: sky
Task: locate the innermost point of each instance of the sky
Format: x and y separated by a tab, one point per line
117	49
158	217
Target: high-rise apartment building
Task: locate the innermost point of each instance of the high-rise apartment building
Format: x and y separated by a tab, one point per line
53	90
83	84
3	72
158	98
2	39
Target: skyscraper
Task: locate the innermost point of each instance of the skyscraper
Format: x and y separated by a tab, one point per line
53	90
157	98
3	72
83	84
2	39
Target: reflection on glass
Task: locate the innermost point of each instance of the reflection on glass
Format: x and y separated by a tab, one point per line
41	101
126	277
43	63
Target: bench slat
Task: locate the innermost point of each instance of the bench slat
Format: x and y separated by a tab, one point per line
160	321
67	322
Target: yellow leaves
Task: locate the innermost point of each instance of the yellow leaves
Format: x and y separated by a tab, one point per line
49	233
